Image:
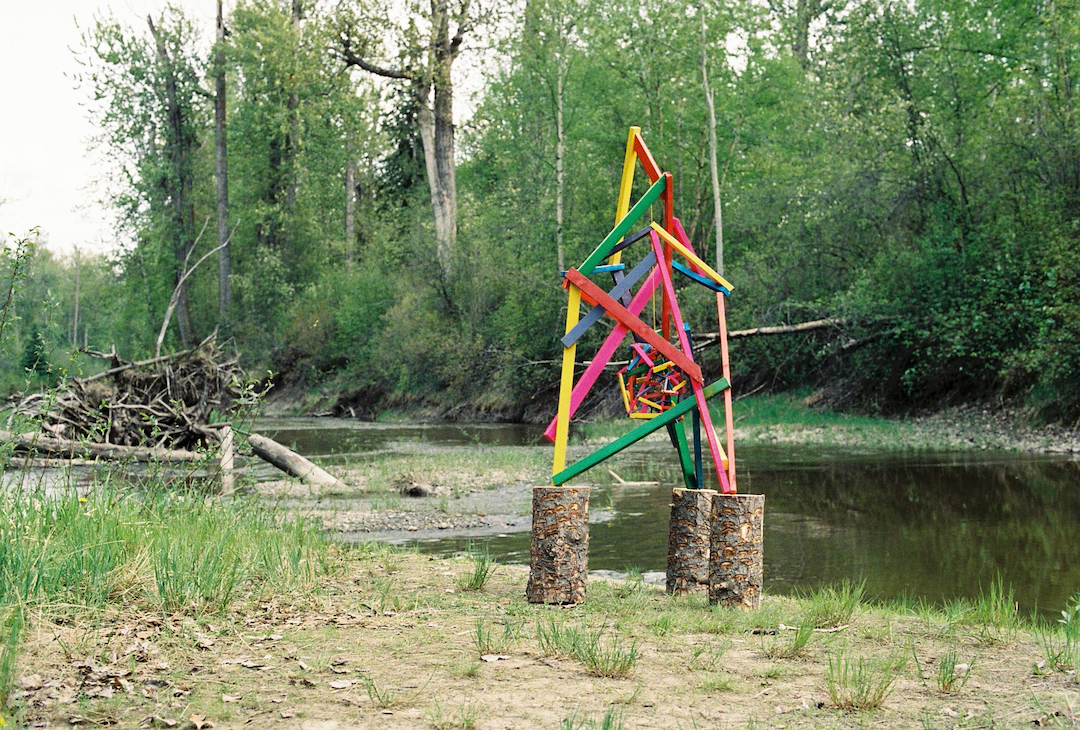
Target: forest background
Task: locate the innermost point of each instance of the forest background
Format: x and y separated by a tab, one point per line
908	171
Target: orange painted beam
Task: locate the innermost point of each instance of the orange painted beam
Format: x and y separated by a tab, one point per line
652	170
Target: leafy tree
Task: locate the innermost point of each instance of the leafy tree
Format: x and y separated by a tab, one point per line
148	102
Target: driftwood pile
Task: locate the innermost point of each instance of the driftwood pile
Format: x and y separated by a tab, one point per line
172	408
166	402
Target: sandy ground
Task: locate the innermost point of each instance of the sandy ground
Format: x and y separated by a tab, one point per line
392	640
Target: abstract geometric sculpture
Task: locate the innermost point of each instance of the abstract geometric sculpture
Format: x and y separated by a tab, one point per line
661	383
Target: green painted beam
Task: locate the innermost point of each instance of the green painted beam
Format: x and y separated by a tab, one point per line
653	424
601	252
678	436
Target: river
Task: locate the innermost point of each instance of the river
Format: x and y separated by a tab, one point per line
935	525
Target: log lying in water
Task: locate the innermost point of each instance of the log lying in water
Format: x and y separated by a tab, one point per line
291	462
34	443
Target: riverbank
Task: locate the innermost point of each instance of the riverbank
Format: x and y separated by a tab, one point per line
796	419
390	639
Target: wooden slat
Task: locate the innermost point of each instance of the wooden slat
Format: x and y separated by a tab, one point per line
566	384
729	421
684	340
678	440
699	279
646	158
626	184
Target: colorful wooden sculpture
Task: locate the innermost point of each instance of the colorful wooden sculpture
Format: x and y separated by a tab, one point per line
661	383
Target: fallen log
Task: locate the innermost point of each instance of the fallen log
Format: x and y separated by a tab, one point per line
291	462
34	443
707	339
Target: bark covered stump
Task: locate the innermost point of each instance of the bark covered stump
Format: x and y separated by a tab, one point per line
688	541
559	554
736	564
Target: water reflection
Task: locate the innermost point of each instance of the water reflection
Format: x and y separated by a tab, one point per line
937	526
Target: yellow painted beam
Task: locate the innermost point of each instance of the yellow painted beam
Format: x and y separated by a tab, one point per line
622	207
624	392
689	256
566	383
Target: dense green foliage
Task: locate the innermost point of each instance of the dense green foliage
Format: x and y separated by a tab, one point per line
911	169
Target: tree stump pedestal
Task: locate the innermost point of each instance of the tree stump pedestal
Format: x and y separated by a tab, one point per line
688	541
559	554
736	563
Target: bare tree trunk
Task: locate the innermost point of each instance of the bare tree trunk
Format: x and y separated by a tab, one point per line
718	216
688	540
291	462
736	559
183	211
559	181
805	13
221	175
435	117
444	188
559	549
292	104
350	205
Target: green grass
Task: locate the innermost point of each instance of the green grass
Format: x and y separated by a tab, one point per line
858	682
994	612
10	633
709	656
832	605
1060	641
612	719
381	698
177	551
601	657
67	557
952	675
789	644
482	569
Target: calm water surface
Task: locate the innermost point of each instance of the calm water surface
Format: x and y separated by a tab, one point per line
936	525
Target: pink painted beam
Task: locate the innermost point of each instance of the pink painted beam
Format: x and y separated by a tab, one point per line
684	341
603	355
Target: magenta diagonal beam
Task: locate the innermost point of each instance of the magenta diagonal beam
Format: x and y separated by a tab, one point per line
684	342
603	355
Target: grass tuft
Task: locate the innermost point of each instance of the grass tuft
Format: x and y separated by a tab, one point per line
483	567
789	644
174	551
610	658
950	674
860	683
1060	642
11	628
610	720
833	605
381	698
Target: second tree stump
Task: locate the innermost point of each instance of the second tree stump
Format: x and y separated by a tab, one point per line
559	554
736	565
688	541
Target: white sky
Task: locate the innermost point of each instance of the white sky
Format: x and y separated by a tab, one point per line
46	170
